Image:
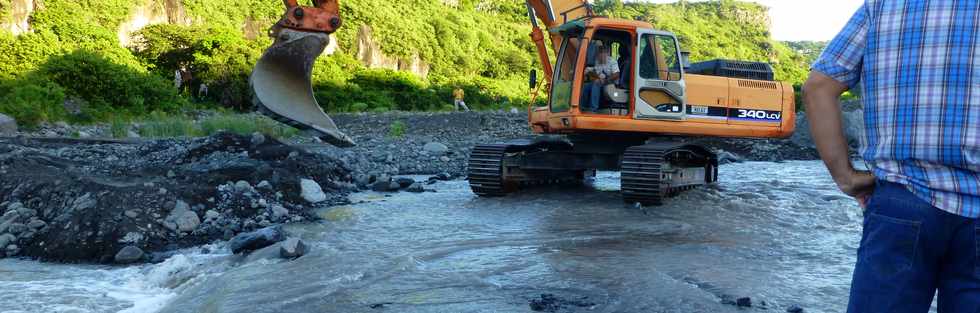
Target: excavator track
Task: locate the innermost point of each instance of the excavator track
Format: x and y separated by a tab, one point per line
641	176
651	173
485	170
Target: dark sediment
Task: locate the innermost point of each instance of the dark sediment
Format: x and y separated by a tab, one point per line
85	202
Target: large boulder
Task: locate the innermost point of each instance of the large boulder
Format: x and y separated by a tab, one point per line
182	219
311	191
8	126
7	239
435	148
255	240
129	254
415	187
292	248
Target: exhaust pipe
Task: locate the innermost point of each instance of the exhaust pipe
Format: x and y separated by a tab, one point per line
282	84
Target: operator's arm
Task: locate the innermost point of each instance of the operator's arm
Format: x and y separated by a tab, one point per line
838	68
821	95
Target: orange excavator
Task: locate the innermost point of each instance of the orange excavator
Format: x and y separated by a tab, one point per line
623	97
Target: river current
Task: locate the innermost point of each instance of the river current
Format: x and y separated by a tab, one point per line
777	233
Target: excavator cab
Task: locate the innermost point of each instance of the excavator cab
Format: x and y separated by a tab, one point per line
650	82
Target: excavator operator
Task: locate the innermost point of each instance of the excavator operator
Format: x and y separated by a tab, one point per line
605	71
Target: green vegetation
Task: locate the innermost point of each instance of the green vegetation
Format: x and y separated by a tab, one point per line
396	129
481	46
158	125
717	29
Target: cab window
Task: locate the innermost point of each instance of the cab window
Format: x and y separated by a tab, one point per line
561	89
659	58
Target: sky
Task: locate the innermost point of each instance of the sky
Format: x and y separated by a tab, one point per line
794	20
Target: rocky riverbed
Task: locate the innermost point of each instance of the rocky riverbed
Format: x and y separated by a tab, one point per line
111	202
92	200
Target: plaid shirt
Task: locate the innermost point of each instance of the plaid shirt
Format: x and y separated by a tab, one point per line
919	64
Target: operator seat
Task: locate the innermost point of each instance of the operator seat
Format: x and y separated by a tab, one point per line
618	93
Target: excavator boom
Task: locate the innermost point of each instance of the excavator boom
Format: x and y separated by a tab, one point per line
553	13
282	78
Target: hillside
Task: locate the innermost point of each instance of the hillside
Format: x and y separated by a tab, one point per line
94	60
717	29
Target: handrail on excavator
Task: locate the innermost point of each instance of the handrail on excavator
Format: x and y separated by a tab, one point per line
589	12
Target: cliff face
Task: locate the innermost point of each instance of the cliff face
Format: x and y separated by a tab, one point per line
370	54
17	19
151	12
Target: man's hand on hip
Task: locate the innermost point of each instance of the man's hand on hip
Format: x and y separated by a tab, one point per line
857	184
822	96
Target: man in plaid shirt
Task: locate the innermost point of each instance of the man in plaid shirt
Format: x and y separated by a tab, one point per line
918	62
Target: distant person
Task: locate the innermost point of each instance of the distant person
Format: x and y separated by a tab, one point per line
919	73
177	79
202	91
605	71
458	102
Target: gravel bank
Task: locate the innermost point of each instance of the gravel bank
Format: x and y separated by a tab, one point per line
74	202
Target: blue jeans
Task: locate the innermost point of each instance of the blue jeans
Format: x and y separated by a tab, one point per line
910	249
591	91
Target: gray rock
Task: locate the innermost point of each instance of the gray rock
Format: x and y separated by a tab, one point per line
132	134
132	213
435	148
211	215
416	187
132	237
404	182
12	250
725	157
26	213
128	255
362	180
257	138
441	176
243	186
182	219
7	239
279	212
258	239
16	228
15	206
794	309
10	216
36	224
171	174
384	186
311	191
264	185
444	159
292	248
8	126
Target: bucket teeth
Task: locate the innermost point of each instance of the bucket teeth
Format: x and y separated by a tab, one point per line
282	84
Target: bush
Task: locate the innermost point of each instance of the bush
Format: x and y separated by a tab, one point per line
108	86
396	129
32	103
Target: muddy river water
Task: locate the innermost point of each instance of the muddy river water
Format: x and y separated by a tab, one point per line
777	233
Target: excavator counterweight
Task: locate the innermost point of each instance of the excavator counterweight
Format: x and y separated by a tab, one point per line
282	78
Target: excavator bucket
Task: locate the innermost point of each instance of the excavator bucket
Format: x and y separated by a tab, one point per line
281	80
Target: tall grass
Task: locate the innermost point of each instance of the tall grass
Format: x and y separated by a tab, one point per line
396	129
119	128
168	126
